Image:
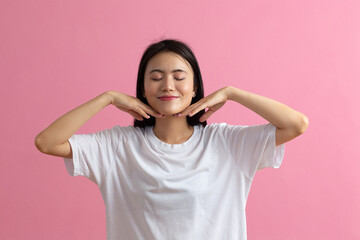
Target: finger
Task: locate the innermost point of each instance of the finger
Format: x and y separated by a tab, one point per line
136	115
151	111
189	109
141	112
206	115
207	103
198	108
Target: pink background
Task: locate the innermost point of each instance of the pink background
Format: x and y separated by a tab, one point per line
56	55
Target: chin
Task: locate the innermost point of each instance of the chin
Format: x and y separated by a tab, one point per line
168	108
170	112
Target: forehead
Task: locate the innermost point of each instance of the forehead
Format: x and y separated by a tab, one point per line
168	62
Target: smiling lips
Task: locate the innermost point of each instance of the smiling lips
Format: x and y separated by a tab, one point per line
167	98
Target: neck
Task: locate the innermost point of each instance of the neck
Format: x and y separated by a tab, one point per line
173	130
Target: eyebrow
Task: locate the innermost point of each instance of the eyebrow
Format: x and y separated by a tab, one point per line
158	70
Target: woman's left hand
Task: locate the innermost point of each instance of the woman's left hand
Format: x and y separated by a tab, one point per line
213	102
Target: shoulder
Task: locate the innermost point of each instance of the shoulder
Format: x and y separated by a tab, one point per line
219	134
221	127
120	132
128	130
217	130
228	130
215	126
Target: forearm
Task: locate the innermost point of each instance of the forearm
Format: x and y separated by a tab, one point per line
278	114
64	127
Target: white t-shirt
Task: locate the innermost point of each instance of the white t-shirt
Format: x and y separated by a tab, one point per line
194	190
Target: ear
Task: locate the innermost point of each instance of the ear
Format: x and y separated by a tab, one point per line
194	91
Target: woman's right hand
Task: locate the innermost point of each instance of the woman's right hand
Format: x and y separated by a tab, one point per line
133	106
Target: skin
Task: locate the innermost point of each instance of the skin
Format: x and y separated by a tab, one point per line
170	128
173	127
170	124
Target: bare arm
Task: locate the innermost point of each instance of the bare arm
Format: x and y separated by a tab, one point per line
289	122
54	139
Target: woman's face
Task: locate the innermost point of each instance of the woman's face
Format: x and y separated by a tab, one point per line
168	83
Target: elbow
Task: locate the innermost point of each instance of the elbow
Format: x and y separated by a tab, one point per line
38	144
302	125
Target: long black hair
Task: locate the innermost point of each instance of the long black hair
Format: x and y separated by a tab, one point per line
180	48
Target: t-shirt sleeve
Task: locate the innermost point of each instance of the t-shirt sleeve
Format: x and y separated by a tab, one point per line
93	154
254	147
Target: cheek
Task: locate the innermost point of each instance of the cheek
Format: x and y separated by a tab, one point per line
149	88
186	88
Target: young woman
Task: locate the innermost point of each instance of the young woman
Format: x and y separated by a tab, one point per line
172	176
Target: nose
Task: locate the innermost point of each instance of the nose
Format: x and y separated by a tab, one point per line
168	84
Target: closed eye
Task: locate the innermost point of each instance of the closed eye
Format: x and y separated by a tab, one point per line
158	79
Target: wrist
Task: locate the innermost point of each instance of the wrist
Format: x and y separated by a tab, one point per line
236	94
108	97
229	92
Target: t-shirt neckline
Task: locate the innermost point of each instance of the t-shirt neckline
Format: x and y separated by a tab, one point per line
152	138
